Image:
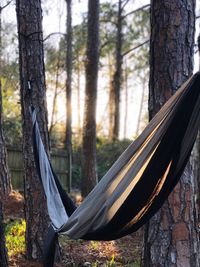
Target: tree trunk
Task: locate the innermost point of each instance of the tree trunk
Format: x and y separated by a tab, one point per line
118	73
5	180
31	63
5	183
3	250
78	98
68	95
196	155
111	100
141	106
89	174
53	119
126	98
5	188
171	237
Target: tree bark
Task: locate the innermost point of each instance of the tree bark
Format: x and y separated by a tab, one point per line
53	119
141	106
3	250
196	154
68	95
111	100
5	182
126	98
118	72
89	173
171	237
5	188
32	72
78	98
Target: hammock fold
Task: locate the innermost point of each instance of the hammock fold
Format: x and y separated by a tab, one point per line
138	183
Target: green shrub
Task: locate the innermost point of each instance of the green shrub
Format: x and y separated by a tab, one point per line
15	237
107	154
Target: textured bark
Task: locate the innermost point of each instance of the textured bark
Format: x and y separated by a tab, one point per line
89	174
126	98
5	181
111	100
53	115
5	184
171	237
3	250
78	97
141	106
68	95
31	62
118	72
196	156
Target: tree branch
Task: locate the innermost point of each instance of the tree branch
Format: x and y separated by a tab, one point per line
7	4
198	17
134	48
125	3
136	10
53	33
105	44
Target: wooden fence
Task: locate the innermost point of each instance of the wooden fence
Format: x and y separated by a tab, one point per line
15	164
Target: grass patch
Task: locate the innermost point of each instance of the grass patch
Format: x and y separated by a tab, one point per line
94	245
15	237
111	263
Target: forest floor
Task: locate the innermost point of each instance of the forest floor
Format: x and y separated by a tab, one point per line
122	252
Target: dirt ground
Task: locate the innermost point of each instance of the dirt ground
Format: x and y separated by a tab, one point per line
122	252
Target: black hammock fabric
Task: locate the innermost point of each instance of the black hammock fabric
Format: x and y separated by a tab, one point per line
138	183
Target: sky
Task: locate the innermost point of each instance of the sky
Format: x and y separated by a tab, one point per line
54	16
134	95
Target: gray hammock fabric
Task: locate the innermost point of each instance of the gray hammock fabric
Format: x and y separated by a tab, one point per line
136	185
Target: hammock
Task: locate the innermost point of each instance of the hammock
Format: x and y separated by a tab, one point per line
138	183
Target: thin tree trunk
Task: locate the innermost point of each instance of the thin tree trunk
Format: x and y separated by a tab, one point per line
52	124
5	180
68	95
5	188
111	100
118	72
141	107
54	111
126	98
3	250
5	184
78	97
89	173
32	72
171	237
196	156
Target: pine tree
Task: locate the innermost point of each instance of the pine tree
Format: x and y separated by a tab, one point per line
68	94
171	237
32	80
5	184
89	173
